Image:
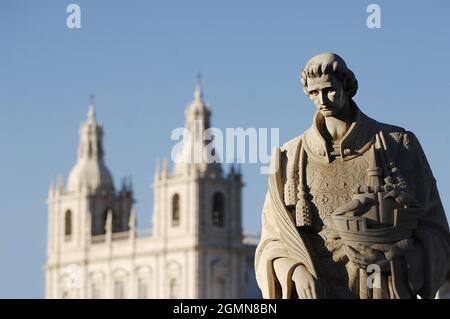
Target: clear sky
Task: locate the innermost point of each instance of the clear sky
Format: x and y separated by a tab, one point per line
140	59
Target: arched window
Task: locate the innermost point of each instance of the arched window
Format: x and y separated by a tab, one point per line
96	290
68	224
142	288
119	289
175	210
219	272
218	210
220	288
173	289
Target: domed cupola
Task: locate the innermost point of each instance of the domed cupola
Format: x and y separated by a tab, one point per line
197	149
90	171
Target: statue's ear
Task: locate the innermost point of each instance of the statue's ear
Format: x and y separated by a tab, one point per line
350	85
346	87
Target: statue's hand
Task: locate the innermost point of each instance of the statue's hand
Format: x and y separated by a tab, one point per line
307	286
401	248
362	256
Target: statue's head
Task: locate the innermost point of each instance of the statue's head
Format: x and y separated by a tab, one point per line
329	83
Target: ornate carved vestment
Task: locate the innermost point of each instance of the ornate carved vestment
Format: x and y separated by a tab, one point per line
331	184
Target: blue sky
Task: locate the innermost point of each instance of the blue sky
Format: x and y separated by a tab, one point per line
140	59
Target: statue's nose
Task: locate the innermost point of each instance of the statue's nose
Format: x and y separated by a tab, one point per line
322	97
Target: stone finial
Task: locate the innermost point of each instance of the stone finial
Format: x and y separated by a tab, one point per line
165	167
198	93
91	110
132	220
59	183
157	168
52	185
108	223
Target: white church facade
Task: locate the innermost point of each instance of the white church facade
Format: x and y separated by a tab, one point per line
196	248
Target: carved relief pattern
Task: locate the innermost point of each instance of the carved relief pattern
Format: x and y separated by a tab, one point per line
331	184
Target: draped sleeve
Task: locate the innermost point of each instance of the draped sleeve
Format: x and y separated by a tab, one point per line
429	271
279	235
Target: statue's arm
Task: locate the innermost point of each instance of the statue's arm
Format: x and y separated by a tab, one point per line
275	268
429	261
281	250
284	269
269	253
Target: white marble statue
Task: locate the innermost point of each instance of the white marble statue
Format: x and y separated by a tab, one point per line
352	210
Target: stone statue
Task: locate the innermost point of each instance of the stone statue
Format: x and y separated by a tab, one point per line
352	209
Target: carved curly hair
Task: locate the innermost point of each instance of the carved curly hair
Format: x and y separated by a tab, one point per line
329	63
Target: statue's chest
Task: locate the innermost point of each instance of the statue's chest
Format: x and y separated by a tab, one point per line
331	184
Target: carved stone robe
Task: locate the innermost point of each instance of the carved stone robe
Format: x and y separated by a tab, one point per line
330	172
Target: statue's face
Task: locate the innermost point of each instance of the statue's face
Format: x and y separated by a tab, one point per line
327	94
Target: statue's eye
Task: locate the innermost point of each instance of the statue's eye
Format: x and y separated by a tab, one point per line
314	92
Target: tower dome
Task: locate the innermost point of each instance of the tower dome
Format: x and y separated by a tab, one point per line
197	151
90	170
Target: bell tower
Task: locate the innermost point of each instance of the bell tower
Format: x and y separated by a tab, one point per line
79	212
197	209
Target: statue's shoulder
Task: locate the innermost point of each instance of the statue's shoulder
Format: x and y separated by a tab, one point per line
397	137
291	146
393	134
288	152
